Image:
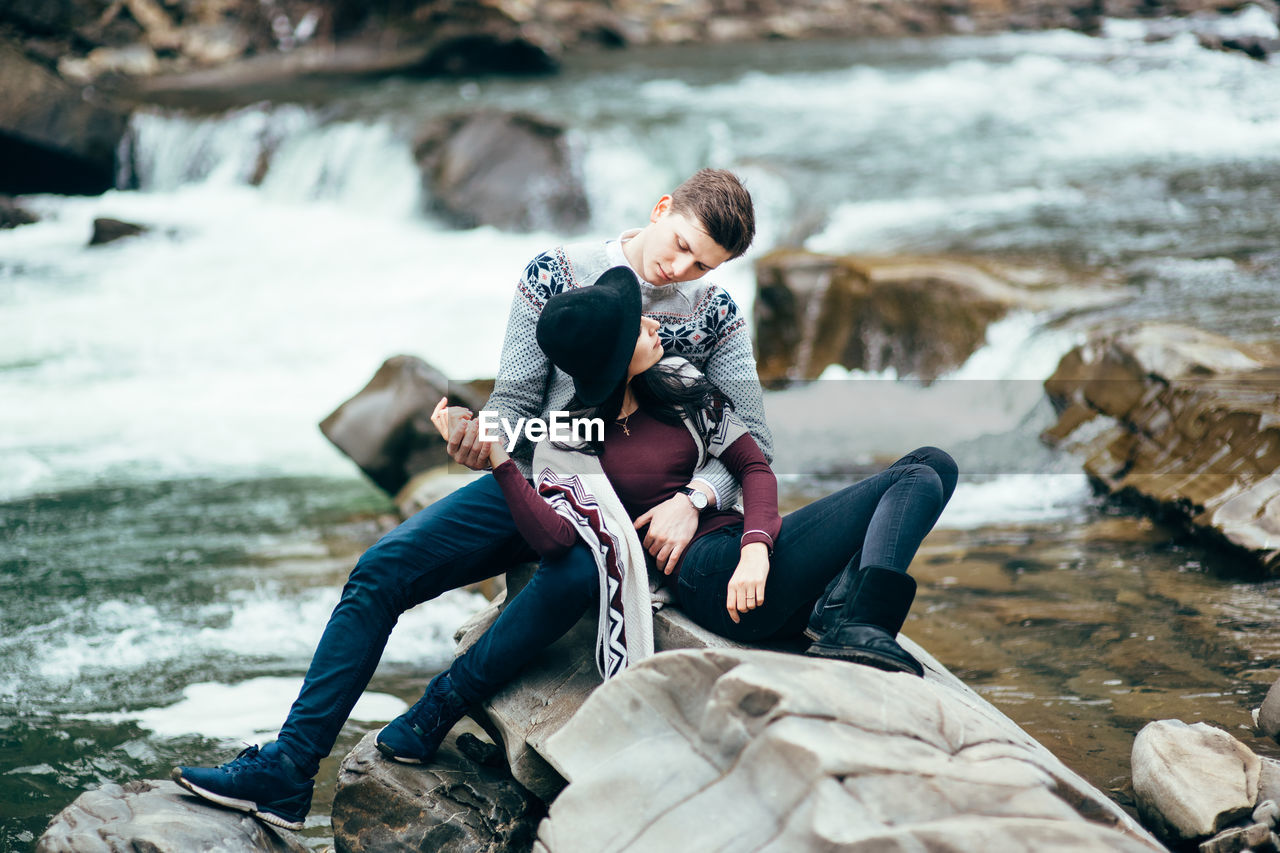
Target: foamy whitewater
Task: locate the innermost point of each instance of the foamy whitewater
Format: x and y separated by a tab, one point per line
169	505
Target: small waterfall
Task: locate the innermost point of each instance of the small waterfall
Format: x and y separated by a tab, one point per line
290	152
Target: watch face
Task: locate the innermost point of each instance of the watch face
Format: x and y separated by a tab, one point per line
698	498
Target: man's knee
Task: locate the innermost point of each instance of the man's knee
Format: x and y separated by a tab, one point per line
384	573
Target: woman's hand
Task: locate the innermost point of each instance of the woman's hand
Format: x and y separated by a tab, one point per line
456	424
746	587
449	419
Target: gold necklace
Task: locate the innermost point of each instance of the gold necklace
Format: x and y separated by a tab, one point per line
625	419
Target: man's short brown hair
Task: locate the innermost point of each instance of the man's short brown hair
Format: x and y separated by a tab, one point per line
722	205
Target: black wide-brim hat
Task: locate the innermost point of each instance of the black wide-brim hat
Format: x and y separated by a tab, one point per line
590	332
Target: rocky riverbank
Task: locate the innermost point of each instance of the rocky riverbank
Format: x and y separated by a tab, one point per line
73	70
709	746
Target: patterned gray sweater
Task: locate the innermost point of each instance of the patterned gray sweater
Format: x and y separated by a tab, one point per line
699	321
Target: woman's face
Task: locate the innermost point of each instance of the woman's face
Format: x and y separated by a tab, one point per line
648	348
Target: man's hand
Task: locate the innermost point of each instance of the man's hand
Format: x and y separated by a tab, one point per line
672	524
746	587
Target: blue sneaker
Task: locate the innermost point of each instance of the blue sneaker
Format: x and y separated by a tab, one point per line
414	736
262	782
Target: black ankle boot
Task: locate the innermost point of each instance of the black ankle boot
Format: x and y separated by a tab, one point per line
829	609
867	632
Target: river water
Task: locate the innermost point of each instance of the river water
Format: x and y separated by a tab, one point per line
175	529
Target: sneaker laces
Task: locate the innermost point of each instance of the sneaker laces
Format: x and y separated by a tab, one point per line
250	758
425	714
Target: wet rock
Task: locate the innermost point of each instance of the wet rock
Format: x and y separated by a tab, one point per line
13	214
1269	714
133	60
510	170
1190	781
734	749
918	317
1193	435
53	136
386	427
1269	780
1254	837
159	817
106	230
452	804
1255	47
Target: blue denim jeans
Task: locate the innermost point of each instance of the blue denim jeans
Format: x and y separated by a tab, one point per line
879	521
463	538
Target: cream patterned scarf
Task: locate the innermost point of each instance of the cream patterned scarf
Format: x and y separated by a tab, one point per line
577	488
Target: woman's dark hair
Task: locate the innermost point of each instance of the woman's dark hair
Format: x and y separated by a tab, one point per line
662	392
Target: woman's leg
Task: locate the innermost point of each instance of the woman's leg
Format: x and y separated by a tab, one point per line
878	521
826	612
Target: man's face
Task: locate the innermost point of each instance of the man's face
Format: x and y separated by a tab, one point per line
675	247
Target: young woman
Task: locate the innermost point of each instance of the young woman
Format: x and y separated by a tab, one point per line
748	576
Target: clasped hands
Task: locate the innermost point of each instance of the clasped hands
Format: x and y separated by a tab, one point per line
458	427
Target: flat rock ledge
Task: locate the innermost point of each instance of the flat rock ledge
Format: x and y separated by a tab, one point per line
454	804
157	817
710	746
1183	423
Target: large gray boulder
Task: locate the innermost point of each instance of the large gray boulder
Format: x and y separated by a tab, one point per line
1268	716
1190	430
452	805
745	750
157	817
1192	780
797	752
511	170
54	137
386	427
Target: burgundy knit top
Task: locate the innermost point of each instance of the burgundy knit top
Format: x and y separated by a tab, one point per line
646	467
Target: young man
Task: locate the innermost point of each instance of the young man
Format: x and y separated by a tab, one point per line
470	535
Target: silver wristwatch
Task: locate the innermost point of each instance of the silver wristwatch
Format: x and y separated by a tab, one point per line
697	498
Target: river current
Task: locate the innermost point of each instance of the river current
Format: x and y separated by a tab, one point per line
174	529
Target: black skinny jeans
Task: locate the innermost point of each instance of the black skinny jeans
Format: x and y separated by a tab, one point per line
884	517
